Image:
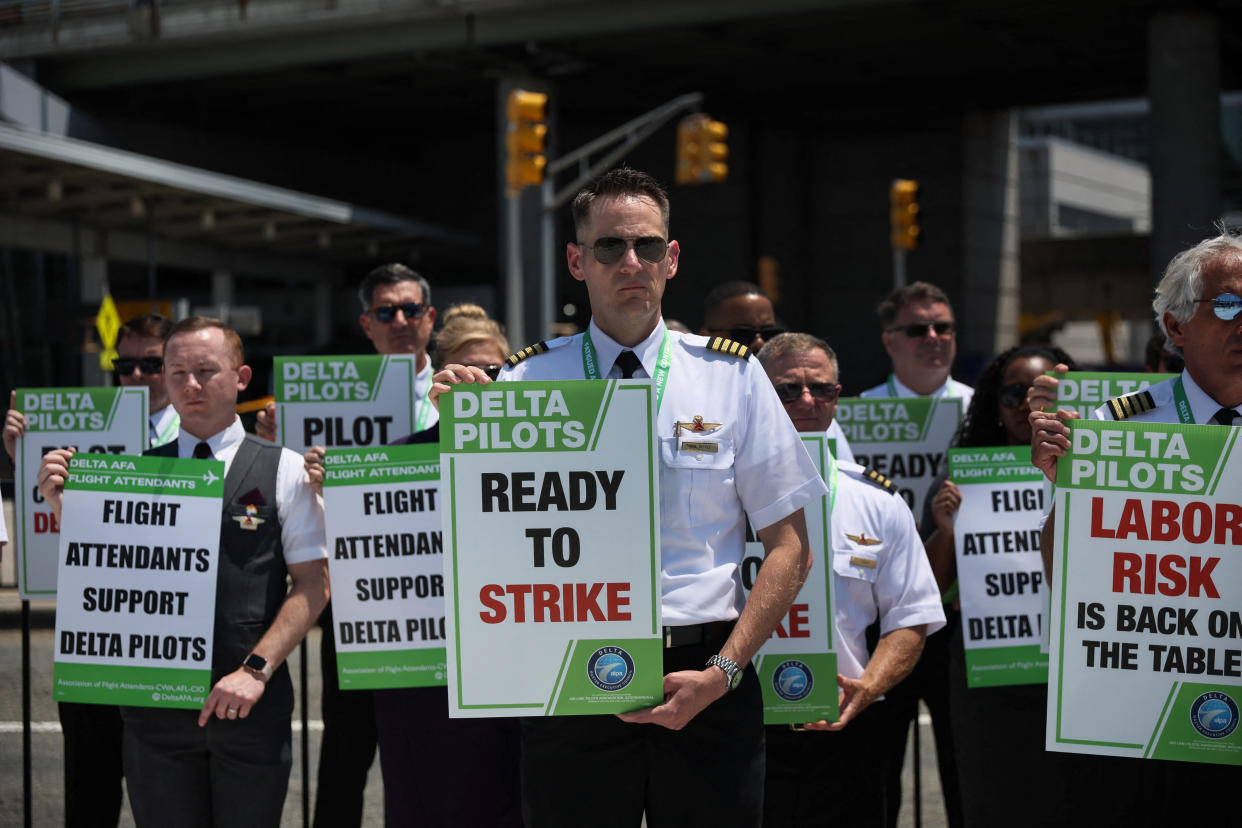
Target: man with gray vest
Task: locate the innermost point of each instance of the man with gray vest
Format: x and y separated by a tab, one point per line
228	764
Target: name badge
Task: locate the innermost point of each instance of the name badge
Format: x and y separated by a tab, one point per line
865	563
699	448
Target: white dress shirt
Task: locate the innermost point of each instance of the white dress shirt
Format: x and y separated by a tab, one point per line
951	388
299	508
760	470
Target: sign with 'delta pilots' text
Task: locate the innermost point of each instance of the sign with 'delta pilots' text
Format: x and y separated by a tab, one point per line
552	531
386	562
903	438
96	420
1146	652
349	401
138	555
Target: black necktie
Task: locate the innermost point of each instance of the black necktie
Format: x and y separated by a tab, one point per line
628	362
1225	416
202	451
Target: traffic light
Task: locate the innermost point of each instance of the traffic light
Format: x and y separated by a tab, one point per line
701	150
903	198
525	139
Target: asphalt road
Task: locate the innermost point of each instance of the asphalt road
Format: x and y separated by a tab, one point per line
46	750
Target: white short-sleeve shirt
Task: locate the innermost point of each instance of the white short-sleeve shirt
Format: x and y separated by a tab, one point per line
880	568
761	469
1164	410
951	388
300	509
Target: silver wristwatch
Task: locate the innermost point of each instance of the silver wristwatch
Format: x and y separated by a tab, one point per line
733	673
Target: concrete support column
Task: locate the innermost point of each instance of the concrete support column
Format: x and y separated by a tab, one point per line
222	291
1183	79
990	286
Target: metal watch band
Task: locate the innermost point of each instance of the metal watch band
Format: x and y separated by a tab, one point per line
730	667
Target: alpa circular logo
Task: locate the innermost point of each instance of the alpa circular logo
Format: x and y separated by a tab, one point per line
792	681
610	668
1214	715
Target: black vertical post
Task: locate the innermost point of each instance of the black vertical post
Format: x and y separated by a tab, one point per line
918	773
305	736
26	775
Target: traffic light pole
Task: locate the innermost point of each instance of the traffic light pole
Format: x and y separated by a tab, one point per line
899	267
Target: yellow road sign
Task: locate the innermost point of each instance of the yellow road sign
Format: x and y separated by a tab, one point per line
108	323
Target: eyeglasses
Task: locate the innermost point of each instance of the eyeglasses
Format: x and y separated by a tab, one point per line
745	334
147	365
610	249
492	370
387	313
917	329
792	391
1012	395
1226	306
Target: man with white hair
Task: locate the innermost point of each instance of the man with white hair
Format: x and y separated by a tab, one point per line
1198	307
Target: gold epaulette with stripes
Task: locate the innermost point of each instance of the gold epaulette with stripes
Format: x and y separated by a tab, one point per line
1122	408
529	351
880	480
728	346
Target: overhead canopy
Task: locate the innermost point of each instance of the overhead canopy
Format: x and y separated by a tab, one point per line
49	177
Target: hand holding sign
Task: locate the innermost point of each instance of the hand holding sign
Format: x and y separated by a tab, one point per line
686	694
14	426
52	476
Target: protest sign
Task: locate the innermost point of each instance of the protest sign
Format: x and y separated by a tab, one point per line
349	401
903	438
95	420
138	554
1085	391
386	562
999	569
1146	657
797	667
552	532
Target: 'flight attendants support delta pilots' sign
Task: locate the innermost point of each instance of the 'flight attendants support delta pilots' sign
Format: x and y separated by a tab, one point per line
138	553
386	561
552	538
1146	655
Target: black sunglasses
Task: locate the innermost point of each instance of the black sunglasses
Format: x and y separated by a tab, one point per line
792	391
610	249
1226	306
492	370
917	329
745	334
1012	395
387	313
147	365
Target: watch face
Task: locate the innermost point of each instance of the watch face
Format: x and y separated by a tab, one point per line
256	662
736	680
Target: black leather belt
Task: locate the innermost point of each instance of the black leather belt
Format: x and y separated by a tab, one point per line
697	633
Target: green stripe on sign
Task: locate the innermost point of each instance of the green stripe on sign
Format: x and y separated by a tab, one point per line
392	668
1001	666
130	686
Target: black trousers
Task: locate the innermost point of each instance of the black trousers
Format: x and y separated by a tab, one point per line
347	748
930	682
827	779
227	774
445	773
601	771
92	734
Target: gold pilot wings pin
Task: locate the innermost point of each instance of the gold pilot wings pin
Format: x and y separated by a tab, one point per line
696	425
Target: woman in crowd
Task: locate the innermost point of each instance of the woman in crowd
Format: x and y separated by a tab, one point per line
470	337
1006	776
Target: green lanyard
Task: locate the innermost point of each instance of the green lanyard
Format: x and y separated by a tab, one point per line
169	432
590	363
832	482
1184	414
892	388
424	408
